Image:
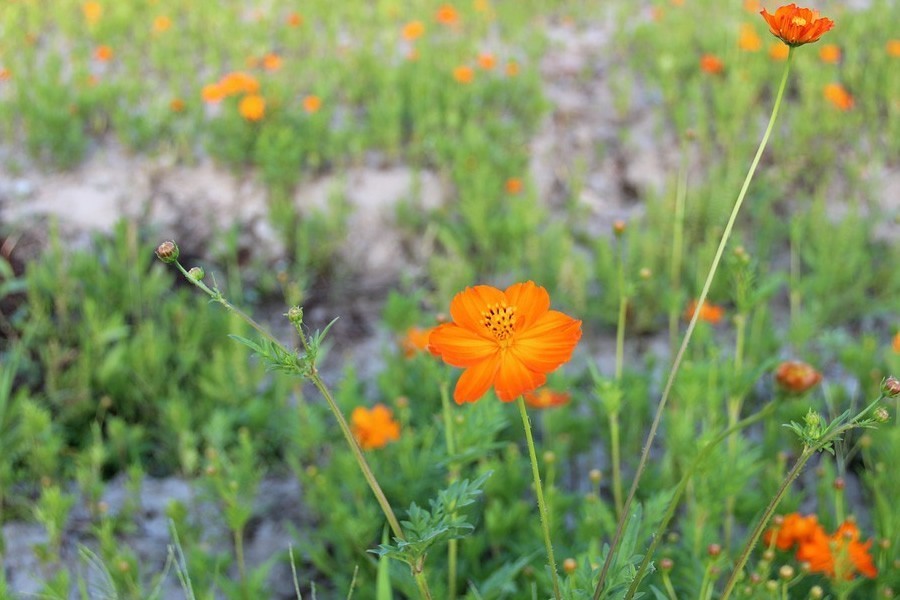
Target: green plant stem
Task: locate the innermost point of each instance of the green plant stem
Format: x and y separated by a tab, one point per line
239	554
677	249
614	437
735	401
667	583
538	490
452	545
673	372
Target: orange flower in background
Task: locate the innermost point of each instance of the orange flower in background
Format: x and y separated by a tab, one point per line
294	20
779	51
710	313
4	74
212	93
506	339
512	68
513	185
751	6
546	398
415	341
487	61
711	64
830	53
464	74
839	556
413	31
92	12
374	428
271	62
748	40
312	104
794	529
895	343
447	15
238	82
796	26
252	107
893	48
103	53
161	24
796	376
838	96
177	105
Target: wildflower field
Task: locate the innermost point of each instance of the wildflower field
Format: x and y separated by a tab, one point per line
483	300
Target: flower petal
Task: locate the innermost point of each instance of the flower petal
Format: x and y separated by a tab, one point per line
548	343
531	302
468	305
459	346
476	380
514	378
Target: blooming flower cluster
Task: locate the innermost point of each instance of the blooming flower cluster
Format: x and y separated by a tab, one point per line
374	428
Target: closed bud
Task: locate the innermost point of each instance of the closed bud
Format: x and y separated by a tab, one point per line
595	475
666	564
196	274
645	273
714	550
786	572
839	483
768	555
295	315
167	252
569	566
401	402
816	592
772	585
619	227
891	387
881	415
549	457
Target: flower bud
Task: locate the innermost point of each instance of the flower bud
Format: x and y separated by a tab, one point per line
196	274
772	585
816	592
839	483
786	572
666	564
167	252
619	227
881	415
595	475
891	387
295	315
569	566
549	457
796	377
714	550
645	273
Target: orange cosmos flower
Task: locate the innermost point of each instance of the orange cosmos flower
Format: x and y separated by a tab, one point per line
796	26
893	48
212	93
413	31
710	313
712	64
4	74
92	12
796	376
838	96
238	82
416	341
294	20
464	74
513	185
779	51
103	53
830	53
794	529
161	24
506	339
177	105
839	556
252	107
895	343
312	104
271	62
546	398
487	61
512	68
447	15
374	428
748	39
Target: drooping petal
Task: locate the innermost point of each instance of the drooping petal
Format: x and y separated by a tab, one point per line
476	380
459	346
548	343
531	302
467	307
514	378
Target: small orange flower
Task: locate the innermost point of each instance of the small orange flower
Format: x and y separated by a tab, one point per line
487	61
312	104
751	6
4	74
546	398
512	68
506	339
238	82
103	53
895	343
464	74
795	529
447	15
748	40
513	185
161	24
838	96
374	428
212	93
839	556
271	62
712	64
177	105
92	12
252	107
416	341
893	48
830	53
796	376
413	31
482	6
294	19
796	26
710	313
779	51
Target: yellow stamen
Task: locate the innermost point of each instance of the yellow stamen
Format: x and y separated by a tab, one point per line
500	320
798	21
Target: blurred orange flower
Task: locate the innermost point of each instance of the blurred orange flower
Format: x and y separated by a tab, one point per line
893	48
796	376
294	19
839	556
711	64
312	104
447	15
92	12
512	68
374	428
238	82
413	31
794	529
506	339
4	74
830	53
464	74
252	107
751	6
710	313
796	26
487	61
212	93
161	24
779	51
177	105
749	40
415	341
546	398
838	96
271	62
513	185
895	343
103	53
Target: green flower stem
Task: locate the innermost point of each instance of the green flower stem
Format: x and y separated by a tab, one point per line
673	372
735	402
539	492
452	545
614	437
677	249
422	583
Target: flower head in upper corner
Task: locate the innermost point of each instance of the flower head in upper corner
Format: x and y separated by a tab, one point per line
546	398
711	313
374	428
415	341
506	339
796	26
796	376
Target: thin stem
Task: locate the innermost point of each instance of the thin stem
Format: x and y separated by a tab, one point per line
539	492
239	554
620	527
735	401
614	437
422	584
452	545
677	248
